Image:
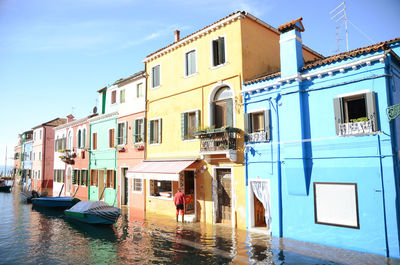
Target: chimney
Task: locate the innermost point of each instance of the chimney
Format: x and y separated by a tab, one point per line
70	118
291	47
177	38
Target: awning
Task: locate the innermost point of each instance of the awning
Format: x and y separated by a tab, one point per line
159	170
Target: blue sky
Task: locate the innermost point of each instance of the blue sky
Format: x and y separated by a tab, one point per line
55	54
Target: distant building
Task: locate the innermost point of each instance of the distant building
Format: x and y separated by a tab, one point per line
322	155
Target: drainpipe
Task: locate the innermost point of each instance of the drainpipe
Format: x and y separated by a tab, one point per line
279	164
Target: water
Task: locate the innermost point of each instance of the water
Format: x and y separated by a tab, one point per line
42	236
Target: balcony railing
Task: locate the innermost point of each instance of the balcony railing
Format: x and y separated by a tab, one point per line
67	156
355	128
220	139
256	137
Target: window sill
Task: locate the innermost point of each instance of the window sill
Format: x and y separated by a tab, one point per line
218	66
156	87
188	76
191	140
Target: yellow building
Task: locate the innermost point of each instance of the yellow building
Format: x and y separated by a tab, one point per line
195	117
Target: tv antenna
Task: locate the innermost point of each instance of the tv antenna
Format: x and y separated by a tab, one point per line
335	12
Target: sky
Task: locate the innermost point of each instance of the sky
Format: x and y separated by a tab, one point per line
56	54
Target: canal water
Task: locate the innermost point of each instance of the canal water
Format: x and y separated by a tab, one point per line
42	236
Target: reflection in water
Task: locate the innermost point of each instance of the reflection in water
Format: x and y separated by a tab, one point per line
43	236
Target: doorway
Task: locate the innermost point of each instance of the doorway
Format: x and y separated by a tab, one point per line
259	213
101	184
224	192
260	203
125	186
189	192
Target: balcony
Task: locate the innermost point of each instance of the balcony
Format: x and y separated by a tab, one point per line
67	156
218	141
256	137
355	128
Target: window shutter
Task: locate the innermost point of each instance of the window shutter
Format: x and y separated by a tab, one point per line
221	50
267	124
215	52
150	132
126	133
370	100
247	123
84	138
197	118
212	114
338	108
143	129
159	130
134	133
229	112
183	125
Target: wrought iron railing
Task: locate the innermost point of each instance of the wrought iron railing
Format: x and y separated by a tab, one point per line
220	139
355	128
256	137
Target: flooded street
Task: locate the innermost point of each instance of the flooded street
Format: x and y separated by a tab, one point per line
42	236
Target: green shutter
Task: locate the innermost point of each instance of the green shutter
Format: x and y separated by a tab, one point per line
142	132
221	50
338	109
159	130
247	123
126	133
150	132
183	125
229	112
215	52
370	101
197	117
267	124
84	138
134	133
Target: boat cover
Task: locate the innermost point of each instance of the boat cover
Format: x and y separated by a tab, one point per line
99	208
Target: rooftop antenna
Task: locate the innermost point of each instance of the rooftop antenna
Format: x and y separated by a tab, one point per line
338	38
335	13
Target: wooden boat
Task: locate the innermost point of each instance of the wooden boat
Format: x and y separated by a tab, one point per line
54	202
5	185
27	196
94	212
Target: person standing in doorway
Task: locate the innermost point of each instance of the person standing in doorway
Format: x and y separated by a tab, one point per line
179	201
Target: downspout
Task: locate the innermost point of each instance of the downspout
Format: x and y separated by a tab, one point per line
279	164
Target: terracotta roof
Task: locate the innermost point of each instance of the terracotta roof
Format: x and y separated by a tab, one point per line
375	47
353	53
101	90
53	123
129	78
292	24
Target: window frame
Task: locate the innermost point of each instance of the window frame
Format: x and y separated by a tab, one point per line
139	95
152	76
185	58
151	133
185	124
113	97
249	125
110	179
212	52
124	133
136	133
134	190
94	141
122	95
159	196
111	138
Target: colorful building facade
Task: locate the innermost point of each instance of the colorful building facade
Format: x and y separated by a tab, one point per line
322	149
195	117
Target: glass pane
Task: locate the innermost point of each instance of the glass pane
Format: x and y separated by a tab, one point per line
258	122
122	96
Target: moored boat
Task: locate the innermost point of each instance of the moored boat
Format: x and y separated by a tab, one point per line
5	184
94	212
54	202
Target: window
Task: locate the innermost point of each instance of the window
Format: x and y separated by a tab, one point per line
40	135
336	204
218	51
76	176
113	97
162	188
34	136
38	176
122	133
59	175
33	156
138	130
94	141
84	177
79	138
110	182
257	126
122	96
190	63
40	155
93	177
83	138
355	114
189	124
139	90
70	141
137	185
155	76
222	108
155	131
111	134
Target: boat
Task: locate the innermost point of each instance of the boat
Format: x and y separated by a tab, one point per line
5	185
55	202
27	196
94	212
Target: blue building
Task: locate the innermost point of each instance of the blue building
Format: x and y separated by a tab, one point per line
323	146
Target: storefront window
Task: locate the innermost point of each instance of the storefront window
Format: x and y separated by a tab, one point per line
161	188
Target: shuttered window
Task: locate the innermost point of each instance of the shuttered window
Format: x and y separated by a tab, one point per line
356	114
155	129
257	126
111	135
218	49
155	76
94	144
122	133
76	176
84	177
110	181
138	130
113	97
190	122
190	63
93	177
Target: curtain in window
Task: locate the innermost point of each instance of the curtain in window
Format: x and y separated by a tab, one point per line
261	190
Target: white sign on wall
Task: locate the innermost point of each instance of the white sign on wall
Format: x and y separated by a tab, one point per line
336	204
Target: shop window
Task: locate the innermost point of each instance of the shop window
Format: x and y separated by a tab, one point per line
161	188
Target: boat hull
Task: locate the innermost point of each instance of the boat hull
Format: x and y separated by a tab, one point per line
88	218
53	202
5	188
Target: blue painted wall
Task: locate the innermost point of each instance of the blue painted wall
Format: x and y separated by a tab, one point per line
304	110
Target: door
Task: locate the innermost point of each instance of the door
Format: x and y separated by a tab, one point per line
259	213
224	195
189	192
220	114
69	182
101	184
125	186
